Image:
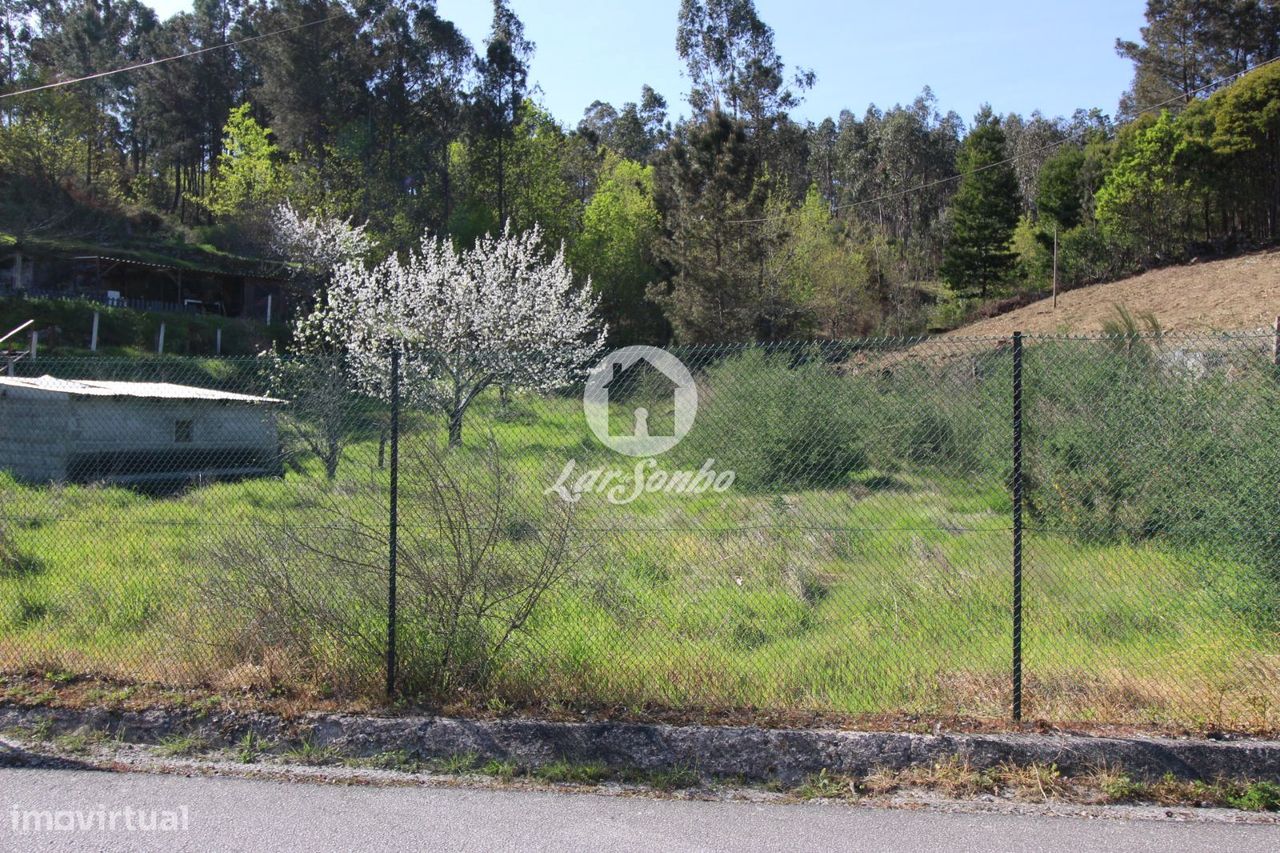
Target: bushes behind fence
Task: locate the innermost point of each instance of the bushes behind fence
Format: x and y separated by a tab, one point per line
780	421
1131	439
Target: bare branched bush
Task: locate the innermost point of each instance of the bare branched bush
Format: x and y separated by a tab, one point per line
475	559
319	417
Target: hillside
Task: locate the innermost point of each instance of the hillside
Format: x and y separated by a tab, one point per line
1239	293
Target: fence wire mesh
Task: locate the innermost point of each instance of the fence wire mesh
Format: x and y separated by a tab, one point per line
832	533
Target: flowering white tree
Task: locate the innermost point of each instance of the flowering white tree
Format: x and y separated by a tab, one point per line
318	244
498	313
311	378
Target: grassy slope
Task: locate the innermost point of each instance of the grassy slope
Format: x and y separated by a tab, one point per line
887	594
170	253
1238	293
66	329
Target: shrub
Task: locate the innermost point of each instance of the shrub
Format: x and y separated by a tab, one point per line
1087	255
1257	797
952	312
779	421
927	437
1126	442
951	417
313	585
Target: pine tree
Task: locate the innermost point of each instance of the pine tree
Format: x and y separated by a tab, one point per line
708	182
984	212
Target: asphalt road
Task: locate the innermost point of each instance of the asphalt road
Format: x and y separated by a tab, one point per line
247	814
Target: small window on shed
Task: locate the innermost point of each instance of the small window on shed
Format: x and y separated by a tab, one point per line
182	431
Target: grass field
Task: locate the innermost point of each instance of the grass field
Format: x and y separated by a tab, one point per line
887	591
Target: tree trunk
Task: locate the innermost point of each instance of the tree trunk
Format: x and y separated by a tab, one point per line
455	428
502	194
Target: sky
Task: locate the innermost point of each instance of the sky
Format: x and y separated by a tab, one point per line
1017	55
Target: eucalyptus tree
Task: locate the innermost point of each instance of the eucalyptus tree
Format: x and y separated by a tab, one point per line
503	78
1189	46
635	131
895	170
1029	144
732	64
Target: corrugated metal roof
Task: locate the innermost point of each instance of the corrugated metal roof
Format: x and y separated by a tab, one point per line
148	390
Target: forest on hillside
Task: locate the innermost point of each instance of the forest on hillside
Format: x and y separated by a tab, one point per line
725	219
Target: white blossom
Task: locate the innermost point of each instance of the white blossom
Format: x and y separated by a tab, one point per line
317	243
498	313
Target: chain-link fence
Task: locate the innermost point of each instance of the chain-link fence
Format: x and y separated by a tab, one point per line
1076	529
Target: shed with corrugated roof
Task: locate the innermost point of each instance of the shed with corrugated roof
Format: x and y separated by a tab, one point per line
134	433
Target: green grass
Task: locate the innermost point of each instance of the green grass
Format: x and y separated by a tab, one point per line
176	746
461	762
589	773
887	592
124	333
502	770
249	748
308	752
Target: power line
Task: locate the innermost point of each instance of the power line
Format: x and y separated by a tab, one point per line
863	203
1008	160
150	62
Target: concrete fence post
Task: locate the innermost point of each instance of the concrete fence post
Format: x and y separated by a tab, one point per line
160	341
93	336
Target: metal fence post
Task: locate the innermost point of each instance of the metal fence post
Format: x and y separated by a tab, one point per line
1017	526
394	509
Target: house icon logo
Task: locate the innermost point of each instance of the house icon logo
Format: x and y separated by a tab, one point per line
595	401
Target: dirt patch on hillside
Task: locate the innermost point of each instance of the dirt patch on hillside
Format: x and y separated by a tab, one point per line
1239	293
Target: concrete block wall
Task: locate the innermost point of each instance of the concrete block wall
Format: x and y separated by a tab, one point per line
41	432
33	436
111	424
